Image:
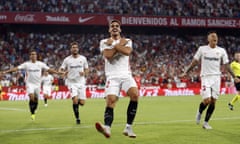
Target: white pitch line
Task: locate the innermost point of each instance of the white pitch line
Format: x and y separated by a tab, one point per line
12	109
116	124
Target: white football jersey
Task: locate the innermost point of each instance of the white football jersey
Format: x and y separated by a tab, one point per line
120	64
33	71
211	59
74	66
47	80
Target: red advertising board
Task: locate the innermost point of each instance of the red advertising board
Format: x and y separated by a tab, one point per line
127	20
93	92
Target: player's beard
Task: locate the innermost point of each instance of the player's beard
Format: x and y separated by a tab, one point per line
74	53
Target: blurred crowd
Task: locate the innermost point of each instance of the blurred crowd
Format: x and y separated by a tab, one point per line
156	59
202	8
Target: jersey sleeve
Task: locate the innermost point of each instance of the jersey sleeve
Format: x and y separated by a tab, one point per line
225	59
198	54
85	63
22	66
44	66
64	64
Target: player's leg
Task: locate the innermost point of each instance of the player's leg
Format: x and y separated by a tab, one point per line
37	90
210	110
206	98
202	106
74	94
112	89
108	116
80	102
132	92
1	98
33	101
45	97
75	106
82	95
215	92
236	97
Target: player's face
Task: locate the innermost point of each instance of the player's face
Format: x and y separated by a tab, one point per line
74	49
114	29
237	57
212	39
33	56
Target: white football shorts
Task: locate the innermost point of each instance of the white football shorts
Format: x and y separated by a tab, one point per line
210	86
33	89
115	84
47	90
78	90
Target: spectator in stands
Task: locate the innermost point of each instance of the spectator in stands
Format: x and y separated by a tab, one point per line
163	58
203	8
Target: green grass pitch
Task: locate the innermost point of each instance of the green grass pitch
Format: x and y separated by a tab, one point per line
160	120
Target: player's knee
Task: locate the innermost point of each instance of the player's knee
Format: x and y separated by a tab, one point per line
81	102
134	97
133	94
207	101
111	101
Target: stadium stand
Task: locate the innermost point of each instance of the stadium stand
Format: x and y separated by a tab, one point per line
158	59
222	8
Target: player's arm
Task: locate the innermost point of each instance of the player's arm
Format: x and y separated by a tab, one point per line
10	70
190	67
109	53
228	68
107	49
63	72
123	48
53	71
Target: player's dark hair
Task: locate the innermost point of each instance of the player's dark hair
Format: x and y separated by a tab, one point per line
115	20
32	50
73	43
211	31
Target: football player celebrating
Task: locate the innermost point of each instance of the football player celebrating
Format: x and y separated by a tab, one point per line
116	51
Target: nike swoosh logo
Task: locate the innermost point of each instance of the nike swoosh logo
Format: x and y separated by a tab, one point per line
82	20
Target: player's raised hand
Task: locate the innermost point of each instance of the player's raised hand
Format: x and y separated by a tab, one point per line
109	42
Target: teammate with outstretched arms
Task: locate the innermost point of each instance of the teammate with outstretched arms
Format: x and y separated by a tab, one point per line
33	72
116	51
211	58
